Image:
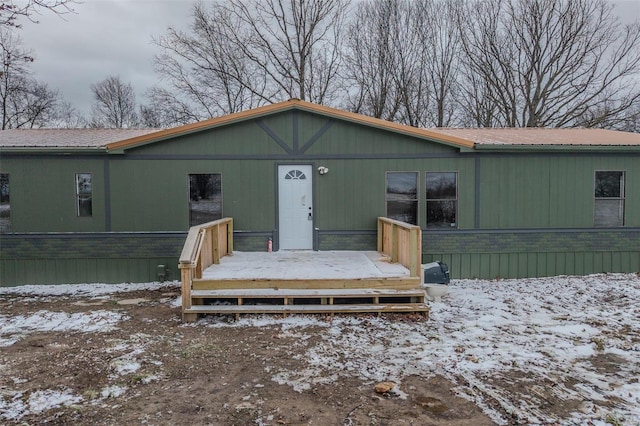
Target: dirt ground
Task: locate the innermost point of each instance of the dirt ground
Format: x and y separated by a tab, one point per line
151	369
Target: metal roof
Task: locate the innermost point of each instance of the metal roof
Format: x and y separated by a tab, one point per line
465	138
527	136
66	138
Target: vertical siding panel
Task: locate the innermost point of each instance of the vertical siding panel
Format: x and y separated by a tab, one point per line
552	268
532	264
494	269
606	261
571	263
504	265
588	263
475	266
465	265
616	262
542	270
597	262
579	261
561	265
485	266
522	265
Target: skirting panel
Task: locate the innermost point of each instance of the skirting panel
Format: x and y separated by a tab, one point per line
493	254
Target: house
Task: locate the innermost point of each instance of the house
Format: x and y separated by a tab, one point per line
97	205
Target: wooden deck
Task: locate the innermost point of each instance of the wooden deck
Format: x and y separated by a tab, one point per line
215	280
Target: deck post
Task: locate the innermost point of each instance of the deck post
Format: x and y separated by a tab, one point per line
215	232
186	274
395	242
415	252
229	238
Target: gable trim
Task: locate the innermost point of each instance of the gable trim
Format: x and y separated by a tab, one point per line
293	104
274	136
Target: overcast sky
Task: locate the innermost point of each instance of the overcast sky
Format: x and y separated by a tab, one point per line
113	37
103	37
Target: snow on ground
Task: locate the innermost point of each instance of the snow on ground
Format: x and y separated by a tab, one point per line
12	328
560	350
83	290
568	340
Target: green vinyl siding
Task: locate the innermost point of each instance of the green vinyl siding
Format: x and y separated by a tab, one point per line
309	125
533	210
352	195
43	197
549	191
154	197
236	140
352	139
540	253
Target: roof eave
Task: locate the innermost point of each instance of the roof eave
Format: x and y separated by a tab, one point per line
557	148
52	150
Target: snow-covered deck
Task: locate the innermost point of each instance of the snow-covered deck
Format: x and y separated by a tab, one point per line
217	279
305	265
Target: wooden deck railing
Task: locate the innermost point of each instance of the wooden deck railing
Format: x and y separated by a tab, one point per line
204	246
402	242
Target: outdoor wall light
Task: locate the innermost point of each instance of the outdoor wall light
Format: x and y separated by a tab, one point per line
323	170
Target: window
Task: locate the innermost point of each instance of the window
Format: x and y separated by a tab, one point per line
442	199
205	198
5	205
295	175
402	196
84	198
609	199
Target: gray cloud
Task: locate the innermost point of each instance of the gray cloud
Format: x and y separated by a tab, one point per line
113	37
103	37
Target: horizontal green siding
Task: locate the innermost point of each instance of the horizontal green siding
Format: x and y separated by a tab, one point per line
356	240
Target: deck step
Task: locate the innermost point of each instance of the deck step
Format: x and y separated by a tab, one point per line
388	283
304	309
268	293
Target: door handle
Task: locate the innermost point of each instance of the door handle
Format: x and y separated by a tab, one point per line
310	217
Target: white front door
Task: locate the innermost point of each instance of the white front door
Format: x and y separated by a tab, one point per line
295	207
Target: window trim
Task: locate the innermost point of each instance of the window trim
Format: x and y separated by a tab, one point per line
78	194
622	198
456	199
417	199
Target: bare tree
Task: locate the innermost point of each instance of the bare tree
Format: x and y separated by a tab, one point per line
114	104
11	11
24	102
240	55
66	116
207	74
294	43
400	65
550	63
370	60
439	39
